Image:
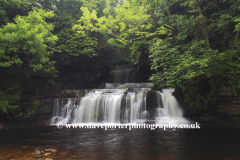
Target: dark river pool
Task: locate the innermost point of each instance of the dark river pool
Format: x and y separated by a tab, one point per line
120	144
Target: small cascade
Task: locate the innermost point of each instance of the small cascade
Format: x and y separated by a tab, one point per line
123	75
63	112
168	110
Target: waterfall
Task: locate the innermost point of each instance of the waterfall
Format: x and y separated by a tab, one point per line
125	105
62	113
169	106
102	106
117	103
123	75
98	103
168	110
137	106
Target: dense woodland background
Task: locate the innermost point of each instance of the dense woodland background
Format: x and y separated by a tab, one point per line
193	45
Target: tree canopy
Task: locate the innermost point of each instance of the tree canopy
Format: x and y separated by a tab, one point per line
126	21
193	44
201	52
28	40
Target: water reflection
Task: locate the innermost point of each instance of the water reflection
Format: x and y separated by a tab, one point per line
123	144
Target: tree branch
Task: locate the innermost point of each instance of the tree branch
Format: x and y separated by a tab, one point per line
234	43
204	29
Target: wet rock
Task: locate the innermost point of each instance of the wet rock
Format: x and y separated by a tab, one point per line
47	154
48	159
51	150
36	152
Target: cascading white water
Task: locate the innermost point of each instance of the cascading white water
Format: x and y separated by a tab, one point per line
98	103
88	106
137	107
168	110
117	103
63	112
170	107
102	105
105	106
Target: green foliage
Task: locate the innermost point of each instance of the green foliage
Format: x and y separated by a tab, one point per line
30	88
77	44
93	4
137	49
124	22
9	9
17	93
3	19
71	43
8	99
29	41
192	57
127	20
26	45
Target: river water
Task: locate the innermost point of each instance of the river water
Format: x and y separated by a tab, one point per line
121	144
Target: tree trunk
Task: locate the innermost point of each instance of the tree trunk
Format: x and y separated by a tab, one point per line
169	14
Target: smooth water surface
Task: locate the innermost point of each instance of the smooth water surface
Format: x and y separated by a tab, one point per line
122	144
